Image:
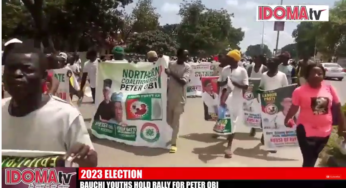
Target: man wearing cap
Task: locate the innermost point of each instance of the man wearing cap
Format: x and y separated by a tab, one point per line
285	67
236	80
118	53
152	56
117	99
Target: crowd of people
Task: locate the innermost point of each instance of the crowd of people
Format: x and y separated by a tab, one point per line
48	123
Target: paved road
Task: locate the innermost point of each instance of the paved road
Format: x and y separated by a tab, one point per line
197	147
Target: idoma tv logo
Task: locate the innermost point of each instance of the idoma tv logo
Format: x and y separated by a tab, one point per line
311	13
38	177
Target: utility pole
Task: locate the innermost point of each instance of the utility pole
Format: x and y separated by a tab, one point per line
262	44
277	36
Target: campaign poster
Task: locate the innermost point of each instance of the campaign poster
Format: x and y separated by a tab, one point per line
251	105
131	102
210	97
194	87
275	105
63	75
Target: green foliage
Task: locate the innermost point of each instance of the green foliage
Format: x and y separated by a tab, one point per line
328	37
305	38
145	17
70	25
254	50
292	49
205	31
155	40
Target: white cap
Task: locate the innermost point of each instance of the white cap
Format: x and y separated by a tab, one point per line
63	55
13	41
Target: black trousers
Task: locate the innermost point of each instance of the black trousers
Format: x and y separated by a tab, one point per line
93	93
310	146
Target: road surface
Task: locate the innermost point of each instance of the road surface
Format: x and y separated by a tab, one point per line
196	147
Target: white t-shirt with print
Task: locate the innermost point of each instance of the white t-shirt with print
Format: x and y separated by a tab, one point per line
275	82
55	127
91	69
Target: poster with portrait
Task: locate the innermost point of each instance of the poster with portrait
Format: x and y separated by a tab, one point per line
194	87
251	105
63	75
131	104
210	97
275	105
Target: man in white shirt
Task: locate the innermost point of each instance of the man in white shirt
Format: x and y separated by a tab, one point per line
272	79
256	69
239	79
35	125
89	71
285	67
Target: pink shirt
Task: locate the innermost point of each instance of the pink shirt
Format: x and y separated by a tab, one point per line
315	108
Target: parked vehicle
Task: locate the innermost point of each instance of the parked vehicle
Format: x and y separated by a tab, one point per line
334	70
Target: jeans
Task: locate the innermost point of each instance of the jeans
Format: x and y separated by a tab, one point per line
310	146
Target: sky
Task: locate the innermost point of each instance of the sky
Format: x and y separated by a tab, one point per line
244	17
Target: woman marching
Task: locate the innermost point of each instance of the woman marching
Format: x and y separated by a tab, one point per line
315	100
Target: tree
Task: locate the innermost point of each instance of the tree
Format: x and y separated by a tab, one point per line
305	38
204	31
14	13
292	49
155	40
145	17
255	50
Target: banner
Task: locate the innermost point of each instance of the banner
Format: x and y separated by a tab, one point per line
251	105
275	105
194	87
63	75
210	97
132	102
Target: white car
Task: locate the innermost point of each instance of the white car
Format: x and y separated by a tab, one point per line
334	70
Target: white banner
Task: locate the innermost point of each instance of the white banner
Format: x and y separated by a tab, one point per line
251	105
63	75
131	102
194	87
275	105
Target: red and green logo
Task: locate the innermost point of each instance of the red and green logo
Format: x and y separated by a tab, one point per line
150	132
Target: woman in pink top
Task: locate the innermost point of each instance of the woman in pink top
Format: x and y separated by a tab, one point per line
314	100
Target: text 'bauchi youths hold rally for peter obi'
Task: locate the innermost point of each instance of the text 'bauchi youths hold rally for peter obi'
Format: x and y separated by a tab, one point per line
289	103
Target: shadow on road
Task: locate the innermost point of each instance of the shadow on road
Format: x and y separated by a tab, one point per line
140	151
212	138
211	152
258	153
244	136
202	137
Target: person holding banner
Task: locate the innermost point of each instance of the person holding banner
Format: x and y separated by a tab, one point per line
238	77
179	75
271	80
316	101
152	56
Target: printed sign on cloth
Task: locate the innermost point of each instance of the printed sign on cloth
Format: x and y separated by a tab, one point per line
194	87
131	100
223	125
210	97
63	75
251	105
275	105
